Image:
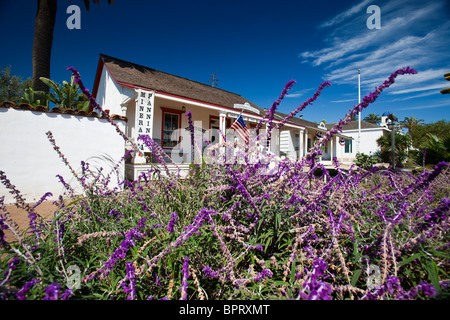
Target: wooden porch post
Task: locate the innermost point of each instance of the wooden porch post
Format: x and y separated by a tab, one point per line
331	149
306	142
222	125
301	144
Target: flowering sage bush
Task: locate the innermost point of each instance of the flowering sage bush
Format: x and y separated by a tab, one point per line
237	229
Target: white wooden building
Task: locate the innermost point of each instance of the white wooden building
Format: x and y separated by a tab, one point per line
155	102
369	134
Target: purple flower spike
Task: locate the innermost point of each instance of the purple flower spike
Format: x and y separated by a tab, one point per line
169	227
184	282
305	104
52	292
271	113
130	290
21	294
209	272
121	252
191	127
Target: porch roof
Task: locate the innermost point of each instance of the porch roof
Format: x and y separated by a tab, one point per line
298	121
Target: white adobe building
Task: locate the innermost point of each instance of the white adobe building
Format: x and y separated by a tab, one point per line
370	132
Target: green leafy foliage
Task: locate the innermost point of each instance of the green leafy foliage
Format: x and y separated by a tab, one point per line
433	150
419	133
67	95
33	98
12	87
365	161
402	145
373	118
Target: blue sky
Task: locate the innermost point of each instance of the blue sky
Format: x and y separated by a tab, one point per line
256	47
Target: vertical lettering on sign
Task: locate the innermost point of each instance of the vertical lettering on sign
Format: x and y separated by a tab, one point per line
144	110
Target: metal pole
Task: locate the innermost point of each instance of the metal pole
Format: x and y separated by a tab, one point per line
393	145
359	113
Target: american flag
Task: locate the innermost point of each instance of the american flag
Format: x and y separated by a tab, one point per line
241	128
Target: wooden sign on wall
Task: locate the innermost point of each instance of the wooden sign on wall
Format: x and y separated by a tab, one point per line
144	115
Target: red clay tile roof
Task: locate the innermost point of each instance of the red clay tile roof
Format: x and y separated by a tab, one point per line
26	106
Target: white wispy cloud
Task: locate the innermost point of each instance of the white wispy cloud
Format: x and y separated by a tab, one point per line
366	39
345	100
413	33
294	95
346	14
299	93
421	107
426	94
418	89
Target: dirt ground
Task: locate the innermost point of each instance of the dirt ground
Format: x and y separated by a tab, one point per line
20	216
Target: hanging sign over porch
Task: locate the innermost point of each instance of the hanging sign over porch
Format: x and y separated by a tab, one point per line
145	101
246	106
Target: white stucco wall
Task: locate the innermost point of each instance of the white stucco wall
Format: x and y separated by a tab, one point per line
110	95
29	161
368	140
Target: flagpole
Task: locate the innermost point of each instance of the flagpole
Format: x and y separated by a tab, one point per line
359	113
226	132
235	120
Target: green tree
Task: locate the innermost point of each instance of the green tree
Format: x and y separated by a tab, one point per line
410	123
441	129
434	151
12	87
402	144
373	118
43	40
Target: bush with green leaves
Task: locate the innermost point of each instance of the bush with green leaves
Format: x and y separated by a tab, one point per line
433	151
34	98
365	161
402	144
67	95
64	96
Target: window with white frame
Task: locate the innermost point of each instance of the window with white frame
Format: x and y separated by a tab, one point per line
348	146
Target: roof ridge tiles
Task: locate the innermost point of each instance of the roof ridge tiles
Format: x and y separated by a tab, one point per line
41	108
